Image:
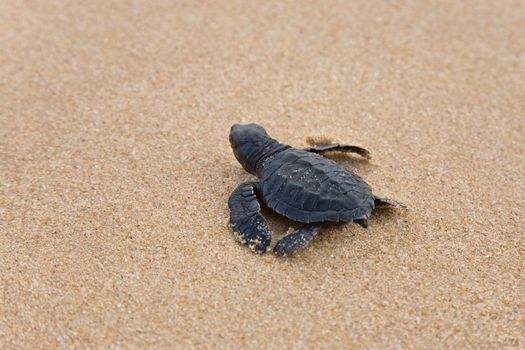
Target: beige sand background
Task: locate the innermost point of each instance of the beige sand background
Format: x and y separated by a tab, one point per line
115	170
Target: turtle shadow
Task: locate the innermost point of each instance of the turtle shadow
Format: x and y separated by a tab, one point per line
280	225
331	231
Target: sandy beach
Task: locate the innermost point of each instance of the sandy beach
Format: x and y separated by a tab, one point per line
115	172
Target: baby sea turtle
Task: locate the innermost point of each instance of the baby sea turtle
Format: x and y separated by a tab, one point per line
299	184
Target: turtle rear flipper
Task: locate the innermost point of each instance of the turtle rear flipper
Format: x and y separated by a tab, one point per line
387	202
297	239
246	219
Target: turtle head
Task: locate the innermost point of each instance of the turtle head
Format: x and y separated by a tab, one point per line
250	143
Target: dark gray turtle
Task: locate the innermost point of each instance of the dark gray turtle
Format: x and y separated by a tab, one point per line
299	184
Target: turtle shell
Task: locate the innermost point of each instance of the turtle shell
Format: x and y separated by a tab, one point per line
307	187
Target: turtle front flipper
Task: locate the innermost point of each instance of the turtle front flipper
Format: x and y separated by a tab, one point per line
297	239
341	148
246	219
387	202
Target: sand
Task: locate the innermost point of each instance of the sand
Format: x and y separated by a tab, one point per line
115	170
